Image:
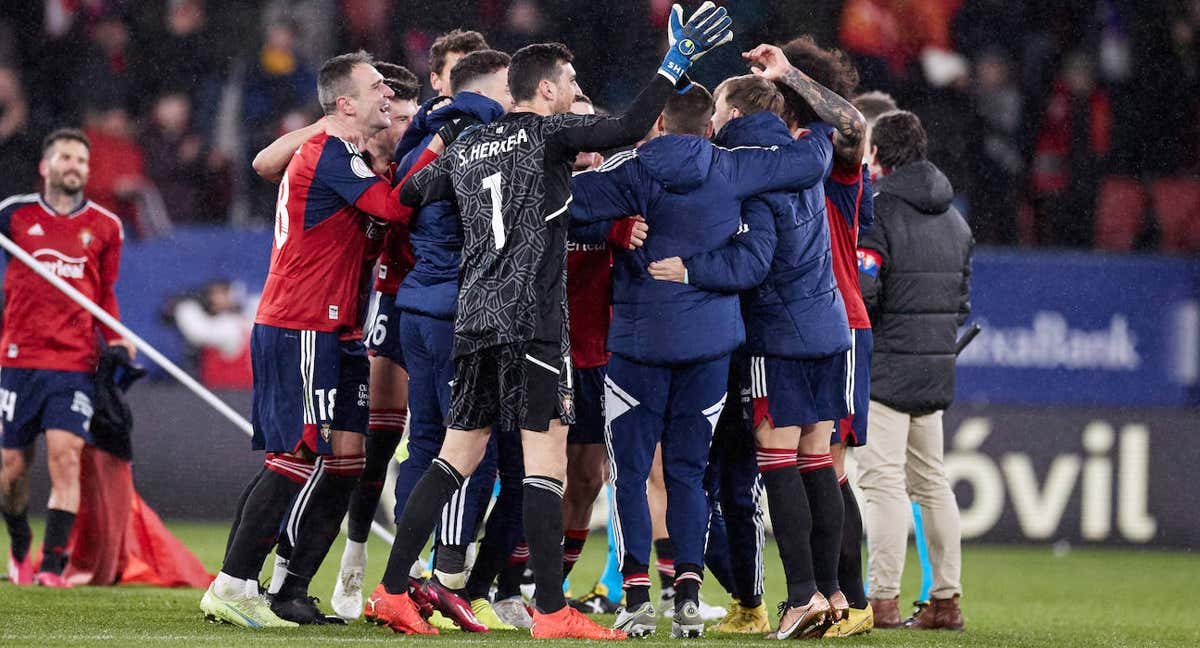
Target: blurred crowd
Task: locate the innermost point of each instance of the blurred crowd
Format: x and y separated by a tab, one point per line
1060	122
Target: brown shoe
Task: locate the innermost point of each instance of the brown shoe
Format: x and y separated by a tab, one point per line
887	613
941	614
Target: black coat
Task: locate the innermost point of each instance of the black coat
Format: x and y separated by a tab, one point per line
918	292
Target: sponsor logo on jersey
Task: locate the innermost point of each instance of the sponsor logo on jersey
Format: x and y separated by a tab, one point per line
60	264
36	230
482	150
572	246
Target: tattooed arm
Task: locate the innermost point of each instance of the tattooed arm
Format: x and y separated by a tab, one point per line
849	125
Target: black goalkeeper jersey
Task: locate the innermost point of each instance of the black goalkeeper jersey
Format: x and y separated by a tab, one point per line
511	180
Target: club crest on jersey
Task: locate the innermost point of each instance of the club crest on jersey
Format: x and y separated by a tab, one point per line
333	312
567	405
326	432
360	168
86	237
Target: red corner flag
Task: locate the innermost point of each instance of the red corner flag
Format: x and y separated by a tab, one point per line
118	538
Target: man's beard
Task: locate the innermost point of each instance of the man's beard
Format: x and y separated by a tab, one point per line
70	188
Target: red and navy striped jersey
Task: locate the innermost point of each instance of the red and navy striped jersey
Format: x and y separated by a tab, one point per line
317	259
848	206
43	328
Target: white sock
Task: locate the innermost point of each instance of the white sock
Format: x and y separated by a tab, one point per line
228	587
251	588
417	570
355	554
455	581
277	575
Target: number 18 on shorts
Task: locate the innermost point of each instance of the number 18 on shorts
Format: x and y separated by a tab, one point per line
306	385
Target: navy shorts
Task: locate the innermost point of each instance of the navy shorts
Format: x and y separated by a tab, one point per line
382	335
800	392
852	430
33	400
589	406
306	385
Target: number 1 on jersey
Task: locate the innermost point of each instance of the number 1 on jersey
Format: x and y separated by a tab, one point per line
493	183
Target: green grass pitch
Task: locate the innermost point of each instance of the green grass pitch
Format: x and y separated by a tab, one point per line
1015	597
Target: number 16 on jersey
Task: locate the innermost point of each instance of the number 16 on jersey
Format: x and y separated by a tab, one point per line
492	183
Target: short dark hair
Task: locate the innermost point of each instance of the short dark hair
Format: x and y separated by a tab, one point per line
751	94
400	79
533	63
454	41
874	103
333	79
689	113
901	139
475	66
829	67
65	134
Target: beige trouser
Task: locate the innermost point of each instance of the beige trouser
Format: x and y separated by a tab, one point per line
904	450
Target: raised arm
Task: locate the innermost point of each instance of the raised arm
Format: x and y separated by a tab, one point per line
794	166
707	29
272	161
849	125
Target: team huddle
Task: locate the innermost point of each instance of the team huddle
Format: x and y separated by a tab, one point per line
685	313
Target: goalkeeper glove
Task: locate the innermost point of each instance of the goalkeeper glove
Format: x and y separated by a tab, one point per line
455	127
707	29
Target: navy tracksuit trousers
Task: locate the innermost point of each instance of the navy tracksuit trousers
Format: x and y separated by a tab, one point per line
679	407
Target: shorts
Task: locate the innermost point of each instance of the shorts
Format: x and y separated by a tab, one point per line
34	400
514	386
382	335
589	406
306	385
791	392
852	429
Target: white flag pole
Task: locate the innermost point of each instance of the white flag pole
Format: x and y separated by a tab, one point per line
171	368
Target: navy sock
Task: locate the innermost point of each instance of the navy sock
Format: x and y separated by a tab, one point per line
850	560
687	583
321	522
54	546
20	536
380	448
825	502
264	508
790	519
636	583
664	552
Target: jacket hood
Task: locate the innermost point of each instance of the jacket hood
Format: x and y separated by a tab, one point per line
679	162
427	122
920	184
465	104
759	129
